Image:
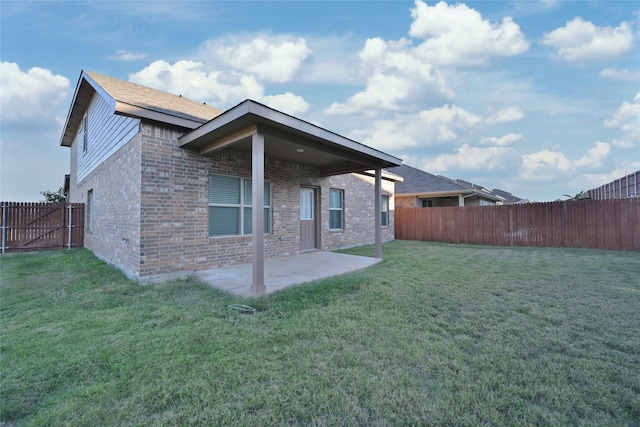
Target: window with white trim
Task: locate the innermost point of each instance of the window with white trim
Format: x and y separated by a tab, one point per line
230	206
385	211
336	209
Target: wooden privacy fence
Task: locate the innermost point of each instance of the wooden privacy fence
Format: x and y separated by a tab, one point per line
37	226
602	224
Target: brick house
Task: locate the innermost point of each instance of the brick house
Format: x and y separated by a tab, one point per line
172	186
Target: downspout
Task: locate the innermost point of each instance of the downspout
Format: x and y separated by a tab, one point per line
464	197
378	212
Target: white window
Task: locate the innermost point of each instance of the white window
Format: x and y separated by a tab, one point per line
230	206
385	211
336	209
89	212
306	204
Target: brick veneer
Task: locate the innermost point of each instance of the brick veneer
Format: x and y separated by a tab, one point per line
115	235
151	207
405	201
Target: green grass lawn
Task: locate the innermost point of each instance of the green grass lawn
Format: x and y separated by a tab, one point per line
436	334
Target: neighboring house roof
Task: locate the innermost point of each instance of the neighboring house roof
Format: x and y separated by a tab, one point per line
134	100
417	181
480	190
508	197
423	184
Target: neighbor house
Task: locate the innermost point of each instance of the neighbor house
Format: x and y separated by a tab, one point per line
172	186
424	190
509	198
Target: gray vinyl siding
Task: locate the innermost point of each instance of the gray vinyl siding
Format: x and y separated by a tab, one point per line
108	132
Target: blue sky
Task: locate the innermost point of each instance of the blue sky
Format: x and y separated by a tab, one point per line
540	98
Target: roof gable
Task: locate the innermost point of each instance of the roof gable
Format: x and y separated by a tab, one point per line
134	100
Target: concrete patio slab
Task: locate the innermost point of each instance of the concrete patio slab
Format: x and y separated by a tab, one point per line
280	273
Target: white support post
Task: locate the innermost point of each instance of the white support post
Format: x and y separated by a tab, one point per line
4	226
258	287
378	212
70	226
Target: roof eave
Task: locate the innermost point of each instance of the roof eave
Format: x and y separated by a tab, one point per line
436	194
386	175
129	110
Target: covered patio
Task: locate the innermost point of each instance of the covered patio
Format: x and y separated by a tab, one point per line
267	133
281	273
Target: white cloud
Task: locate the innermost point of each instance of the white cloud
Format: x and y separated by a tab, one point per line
191	79
624	74
221	89
400	77
474	158
457	35
287	103
594	157
627	120
426	128
544	165
229	70
396	79
506	115
502	141
34	98
383	91
547	165
127	55
448	120
273	61
582	41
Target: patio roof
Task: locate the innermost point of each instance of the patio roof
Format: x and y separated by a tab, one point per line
286	138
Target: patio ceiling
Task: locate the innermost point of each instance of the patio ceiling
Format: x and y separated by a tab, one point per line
285	138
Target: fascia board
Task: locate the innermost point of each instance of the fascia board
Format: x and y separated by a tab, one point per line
64	139
437	194
129	110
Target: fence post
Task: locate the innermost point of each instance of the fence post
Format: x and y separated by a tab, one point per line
564	223
70	225
4	226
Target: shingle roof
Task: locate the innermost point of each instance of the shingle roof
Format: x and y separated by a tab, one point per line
509	197
417	181
153	99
